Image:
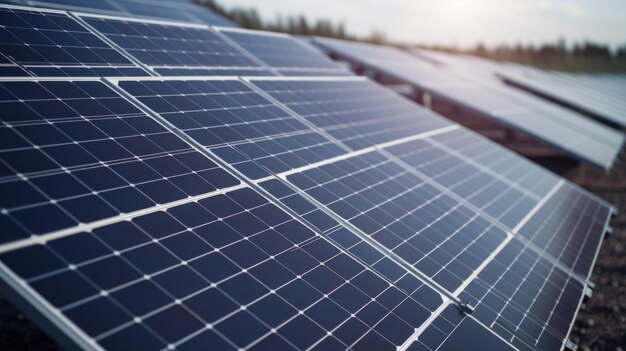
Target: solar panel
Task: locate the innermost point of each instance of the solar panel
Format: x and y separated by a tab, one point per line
271	213
284	53
355	111
566	227
51	43
76	152
592	95
433	225
525	299
236	123
157	9
574	134
265	281
165	46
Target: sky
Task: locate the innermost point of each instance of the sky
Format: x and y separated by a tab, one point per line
463	22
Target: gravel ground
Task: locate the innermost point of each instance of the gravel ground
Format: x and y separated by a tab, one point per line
601	323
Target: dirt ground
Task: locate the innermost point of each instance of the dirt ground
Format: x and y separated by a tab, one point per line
601	323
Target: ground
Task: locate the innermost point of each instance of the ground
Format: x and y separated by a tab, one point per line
601	323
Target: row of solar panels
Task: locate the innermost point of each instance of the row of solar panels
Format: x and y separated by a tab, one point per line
173	10
268	212
57	43
474	85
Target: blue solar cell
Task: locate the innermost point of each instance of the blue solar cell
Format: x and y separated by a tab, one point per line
525	298
569	228
54	44
355	111
90	156
284	53
427	229
162	45
238	124
183	275
507	203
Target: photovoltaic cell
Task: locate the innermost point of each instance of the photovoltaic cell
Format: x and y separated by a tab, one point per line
570	227
453	328
233	270
525	298
497	161
431	231
186	11
76	152
498	198
53	44
168	45
238	124
346	239
357	112
284	53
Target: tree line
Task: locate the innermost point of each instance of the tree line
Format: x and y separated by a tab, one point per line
585	56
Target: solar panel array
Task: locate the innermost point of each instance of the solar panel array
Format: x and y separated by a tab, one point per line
256	213
601	96
179	10
472	88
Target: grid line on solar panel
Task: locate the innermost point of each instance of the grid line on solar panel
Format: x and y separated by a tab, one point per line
526	299
282	52
452	329
403	215
356	112
75	152
309	278
566	229
283	193
234	122
52	43
497	162
499	199
386	265
531	214
171	45
160	82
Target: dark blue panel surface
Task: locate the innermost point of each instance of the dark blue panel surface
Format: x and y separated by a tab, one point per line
525	298
426	228
283	52
569	227
230	271
497	197
236	123
357	112
453	330
36	38
77	152
155	44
